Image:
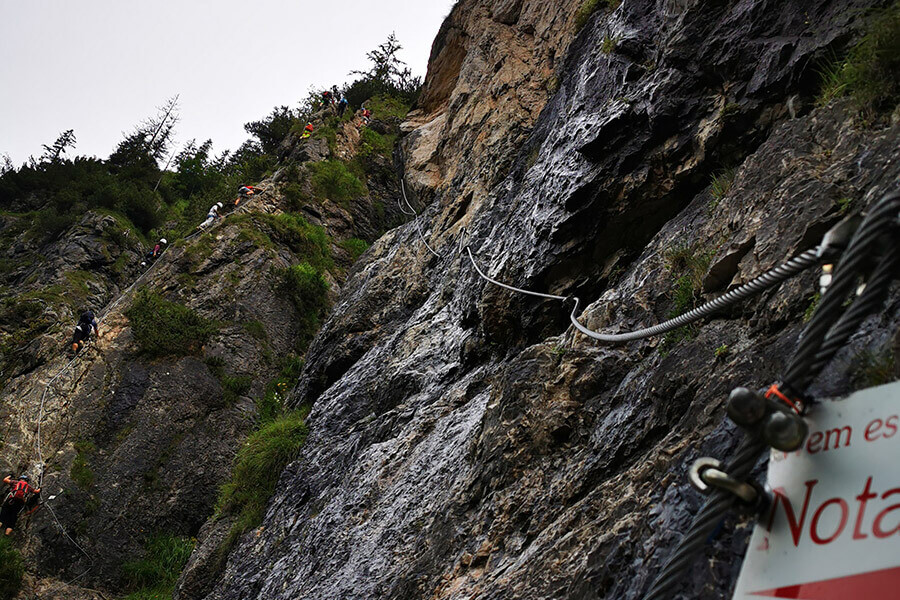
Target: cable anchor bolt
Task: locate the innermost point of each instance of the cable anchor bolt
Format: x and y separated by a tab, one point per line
706	474
772	414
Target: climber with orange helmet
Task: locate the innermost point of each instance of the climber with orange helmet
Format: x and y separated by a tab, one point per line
307	131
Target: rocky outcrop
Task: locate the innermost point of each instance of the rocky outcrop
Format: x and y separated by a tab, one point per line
135	445
461	445
492	69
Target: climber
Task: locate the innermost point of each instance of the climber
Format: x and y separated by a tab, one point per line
366	114
19	496
211	216
86	324
244	193
327	99
342	106
154	254
307	131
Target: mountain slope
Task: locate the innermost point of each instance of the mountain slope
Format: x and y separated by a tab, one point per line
460	445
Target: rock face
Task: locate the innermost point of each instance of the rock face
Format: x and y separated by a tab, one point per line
134	445
462	444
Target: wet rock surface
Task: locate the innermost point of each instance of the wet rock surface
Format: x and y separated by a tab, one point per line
460	445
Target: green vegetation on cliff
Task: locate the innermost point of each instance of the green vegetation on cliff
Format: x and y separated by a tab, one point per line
11	569
307	290
164	328
256	469
869	72
154	576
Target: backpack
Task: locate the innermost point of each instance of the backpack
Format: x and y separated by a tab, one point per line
20	489
86	319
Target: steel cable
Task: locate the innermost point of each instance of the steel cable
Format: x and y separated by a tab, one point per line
705	521
416	221
765	281
826	333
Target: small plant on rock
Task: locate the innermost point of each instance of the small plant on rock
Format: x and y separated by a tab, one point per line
869	72
720	186
11	570
164	328
154	576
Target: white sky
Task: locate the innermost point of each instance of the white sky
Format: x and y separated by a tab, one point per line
101	66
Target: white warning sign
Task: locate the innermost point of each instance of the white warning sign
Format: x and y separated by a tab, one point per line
833	531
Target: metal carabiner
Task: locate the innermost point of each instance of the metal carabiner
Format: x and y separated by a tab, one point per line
706	473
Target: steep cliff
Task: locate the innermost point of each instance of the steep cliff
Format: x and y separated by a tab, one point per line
461	444
138	434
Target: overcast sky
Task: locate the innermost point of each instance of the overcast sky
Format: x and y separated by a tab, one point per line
101	66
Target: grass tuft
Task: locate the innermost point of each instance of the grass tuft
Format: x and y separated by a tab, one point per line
720	186
869	72
11	569
355	247
689	264
589	7
154	576
164	328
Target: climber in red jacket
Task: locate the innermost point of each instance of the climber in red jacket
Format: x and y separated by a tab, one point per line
244	193
15	501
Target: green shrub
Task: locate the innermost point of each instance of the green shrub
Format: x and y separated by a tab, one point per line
80	472
11	569
373	143
589	7
384	106
307	290
869	73
164	328
50	224
257	466
154	576
355	247
295	196
333	180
